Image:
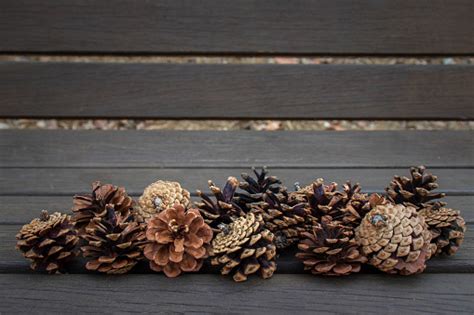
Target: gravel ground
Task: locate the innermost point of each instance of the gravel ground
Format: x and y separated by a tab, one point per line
269	125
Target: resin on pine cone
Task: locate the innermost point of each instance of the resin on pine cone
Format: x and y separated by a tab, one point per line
114	242
284	221
160	196
254	189
447	228
244	248
415	191
178	241
330	249
395	238
48	242
86	207
224	209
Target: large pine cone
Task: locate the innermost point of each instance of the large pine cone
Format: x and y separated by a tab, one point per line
160	196
245	248
395	239
447	228
330	249
114	242
415	191
283	220
223	210
254	189
178	241
327	203
87	207
48	242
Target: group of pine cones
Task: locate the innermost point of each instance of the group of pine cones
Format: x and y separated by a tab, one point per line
242	228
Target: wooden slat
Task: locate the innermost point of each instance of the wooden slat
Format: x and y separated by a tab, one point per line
174	149
283	294
11	261
236	91
239	26
70	181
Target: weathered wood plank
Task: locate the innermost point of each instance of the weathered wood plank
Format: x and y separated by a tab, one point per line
175	149
367	294
21	209
69	181
11	260
236	91
239	26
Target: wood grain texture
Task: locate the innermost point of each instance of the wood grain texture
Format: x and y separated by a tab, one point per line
283	294
239	26
109	90
176	149
70	181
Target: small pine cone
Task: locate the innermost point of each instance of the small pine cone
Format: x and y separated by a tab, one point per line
87	207
447	228
114	242
178	241
48	242
330	249
244	248
223	210
284	221
395	238
160	196
254	189
415	191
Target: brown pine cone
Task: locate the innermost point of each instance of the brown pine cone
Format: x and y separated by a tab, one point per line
245	248
284	221
87	207
415	191
330	249
254	189
223	210
447	228
114	242
178	241
395	238
160	196
48	242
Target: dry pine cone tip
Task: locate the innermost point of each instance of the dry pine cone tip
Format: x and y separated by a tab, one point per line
330	249
48	242
159	196
395	238
87	207
447	228
245	248
178	241
114	242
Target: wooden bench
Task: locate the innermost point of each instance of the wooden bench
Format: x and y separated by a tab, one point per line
42	169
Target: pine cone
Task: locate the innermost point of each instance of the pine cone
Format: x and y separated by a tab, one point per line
178	241
330	249
447	228
244	248
87	207
48	242
114	242
222	211
254	189
414	191
284	221
395	239
159	196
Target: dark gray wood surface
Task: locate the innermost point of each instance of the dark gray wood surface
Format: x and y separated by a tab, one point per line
238	26
177	149
362	294
31	89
